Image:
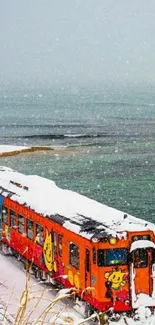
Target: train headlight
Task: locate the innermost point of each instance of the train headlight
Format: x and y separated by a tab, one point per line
112	240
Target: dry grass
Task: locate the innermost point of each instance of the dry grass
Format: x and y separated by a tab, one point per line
30	313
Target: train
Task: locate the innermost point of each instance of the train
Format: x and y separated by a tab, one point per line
107	255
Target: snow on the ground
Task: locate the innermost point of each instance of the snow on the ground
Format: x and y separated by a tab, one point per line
5	317
9	148
12	284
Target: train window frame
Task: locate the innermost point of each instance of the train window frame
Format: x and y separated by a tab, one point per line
124	262
74	255
30	231
141	237
102	257
21	224
94	255
12	218
39	234
140	263
87	260
6	219
55	242
153	256
60	239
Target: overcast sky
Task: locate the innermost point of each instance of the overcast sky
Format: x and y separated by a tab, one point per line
77	41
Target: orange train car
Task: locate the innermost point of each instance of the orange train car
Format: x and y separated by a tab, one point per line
107	255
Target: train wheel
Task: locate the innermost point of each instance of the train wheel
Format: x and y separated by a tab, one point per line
129	314
40	275
37	273
114	317
43	276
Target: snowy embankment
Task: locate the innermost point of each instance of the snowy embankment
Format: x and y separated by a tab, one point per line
8	150
12	286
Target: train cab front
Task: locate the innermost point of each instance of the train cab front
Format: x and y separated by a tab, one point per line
126	272
113	274
142	269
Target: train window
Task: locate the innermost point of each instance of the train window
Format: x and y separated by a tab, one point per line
60	245
94	255
39	235
140	258
5	215
74	256
12	218
153	256
116	256
141	237
20	223
29	228
55	242
101	257
87	260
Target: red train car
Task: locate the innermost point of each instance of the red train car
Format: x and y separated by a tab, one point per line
107	255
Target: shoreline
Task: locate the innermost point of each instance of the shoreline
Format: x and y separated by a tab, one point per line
24	150
8	151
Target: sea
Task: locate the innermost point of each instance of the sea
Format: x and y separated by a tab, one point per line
108	137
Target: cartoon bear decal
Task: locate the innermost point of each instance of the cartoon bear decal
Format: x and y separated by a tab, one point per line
48	251
115	278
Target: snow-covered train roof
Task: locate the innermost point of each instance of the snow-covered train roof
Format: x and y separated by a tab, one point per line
78	213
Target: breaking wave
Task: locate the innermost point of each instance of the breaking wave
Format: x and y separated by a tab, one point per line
64	136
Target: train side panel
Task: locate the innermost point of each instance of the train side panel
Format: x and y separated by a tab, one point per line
101	272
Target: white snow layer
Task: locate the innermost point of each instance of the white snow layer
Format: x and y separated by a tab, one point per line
46	198
141	244
12	285
9	148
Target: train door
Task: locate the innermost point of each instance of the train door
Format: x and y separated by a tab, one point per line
87	268
1	202
141	273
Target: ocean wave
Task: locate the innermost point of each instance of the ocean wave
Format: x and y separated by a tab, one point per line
63	136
